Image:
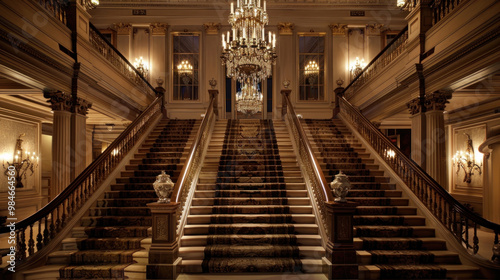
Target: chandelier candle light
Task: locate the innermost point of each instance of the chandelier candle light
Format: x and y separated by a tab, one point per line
466	161
311	71
249	99
247	53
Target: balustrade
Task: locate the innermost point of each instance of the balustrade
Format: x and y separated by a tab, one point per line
44	226
458	219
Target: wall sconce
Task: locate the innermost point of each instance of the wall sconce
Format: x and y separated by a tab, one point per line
185	69
357	67
466	161
311	71
22	161
142	67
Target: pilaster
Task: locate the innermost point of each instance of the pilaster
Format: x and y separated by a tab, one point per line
79	136
124	39
212	57
435	157
373	32
286	71
339	50
158	50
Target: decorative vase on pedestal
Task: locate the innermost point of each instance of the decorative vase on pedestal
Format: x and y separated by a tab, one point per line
340	187
163	187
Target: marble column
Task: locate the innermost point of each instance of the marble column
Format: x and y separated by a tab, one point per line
61	140
78	136
491	194
435	156
418	131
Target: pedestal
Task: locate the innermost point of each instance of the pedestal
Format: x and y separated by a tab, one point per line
164	258
340	261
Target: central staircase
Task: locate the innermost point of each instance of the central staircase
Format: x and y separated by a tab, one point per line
392	239
250	211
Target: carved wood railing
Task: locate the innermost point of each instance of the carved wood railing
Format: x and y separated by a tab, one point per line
457	218
384	58
52	219
111	54
57	8
193	162
320	187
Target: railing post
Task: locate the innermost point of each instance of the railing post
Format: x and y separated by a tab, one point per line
213	94
339	91
286	94
160	92
340	260
164	261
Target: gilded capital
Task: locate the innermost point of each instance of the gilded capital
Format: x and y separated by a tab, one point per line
212	28
123	28
81	106
285	28
374	29
415	106
158	28
59	101
437	100
338	29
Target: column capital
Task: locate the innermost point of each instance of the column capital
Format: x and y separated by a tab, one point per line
338	29
158	28
374	29
81	106
416	106
123	28
212	28
437	100
286	28
59	101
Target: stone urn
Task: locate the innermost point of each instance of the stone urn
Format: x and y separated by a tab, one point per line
163	187
340	187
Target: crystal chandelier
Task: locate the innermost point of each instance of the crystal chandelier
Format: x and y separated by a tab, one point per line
185	69
311	71
249	99
247	54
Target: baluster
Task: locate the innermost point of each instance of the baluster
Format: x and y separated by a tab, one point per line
466	221
46	234
21	248
31	242
64	209
39	236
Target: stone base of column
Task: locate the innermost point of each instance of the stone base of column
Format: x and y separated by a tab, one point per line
164	271
342	270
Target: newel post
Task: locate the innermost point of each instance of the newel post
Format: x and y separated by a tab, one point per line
213	94
164	261
340	260
286	94
339	91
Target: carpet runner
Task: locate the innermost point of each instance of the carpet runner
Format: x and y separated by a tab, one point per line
251	228
395	238
119	222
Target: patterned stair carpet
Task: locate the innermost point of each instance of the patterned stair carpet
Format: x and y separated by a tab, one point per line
250	239
118	223
399	243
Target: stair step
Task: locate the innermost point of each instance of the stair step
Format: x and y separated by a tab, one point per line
201	240
396	243
251	201
244	228
255	218
250	209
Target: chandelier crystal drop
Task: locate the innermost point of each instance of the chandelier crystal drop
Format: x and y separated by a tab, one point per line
249	99
246	52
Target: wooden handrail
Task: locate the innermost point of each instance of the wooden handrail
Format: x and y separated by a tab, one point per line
52	218
443	206
318	172
185	171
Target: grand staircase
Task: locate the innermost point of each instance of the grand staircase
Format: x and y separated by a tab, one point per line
250	210
110	241
392	239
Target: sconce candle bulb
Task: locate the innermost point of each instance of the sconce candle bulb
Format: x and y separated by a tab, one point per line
466	161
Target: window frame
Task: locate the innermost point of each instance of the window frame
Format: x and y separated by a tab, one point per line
173	67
